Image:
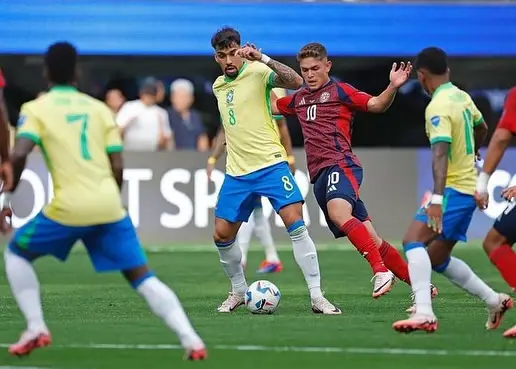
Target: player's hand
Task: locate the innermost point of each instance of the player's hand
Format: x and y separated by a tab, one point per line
509	193
435	217
6	215
250	52
482	200
399	76
6	174
292	167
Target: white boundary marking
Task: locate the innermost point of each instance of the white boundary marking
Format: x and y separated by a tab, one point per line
337	350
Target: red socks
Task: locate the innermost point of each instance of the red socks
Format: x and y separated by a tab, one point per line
394	262
505	261
359	236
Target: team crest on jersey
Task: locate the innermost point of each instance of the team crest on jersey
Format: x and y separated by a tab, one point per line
325	96
435	120
21	120
229	96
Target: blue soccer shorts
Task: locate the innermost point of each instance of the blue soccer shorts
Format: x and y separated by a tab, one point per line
458	209
339	182
238	196
111	247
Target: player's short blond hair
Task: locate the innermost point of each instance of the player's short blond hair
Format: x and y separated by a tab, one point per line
312	50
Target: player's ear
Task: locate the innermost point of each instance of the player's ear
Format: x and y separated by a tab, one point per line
328	65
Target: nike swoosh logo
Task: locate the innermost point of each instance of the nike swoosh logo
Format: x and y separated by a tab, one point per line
290	195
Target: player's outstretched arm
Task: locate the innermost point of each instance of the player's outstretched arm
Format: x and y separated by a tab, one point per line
398	77
440	165
285	76
218	149
480	134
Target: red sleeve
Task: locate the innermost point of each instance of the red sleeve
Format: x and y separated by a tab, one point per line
352	97
508	119
2	80
286	105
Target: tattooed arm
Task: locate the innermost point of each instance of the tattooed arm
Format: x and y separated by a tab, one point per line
285	76
440	166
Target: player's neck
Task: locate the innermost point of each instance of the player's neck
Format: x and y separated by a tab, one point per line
321	86
438	84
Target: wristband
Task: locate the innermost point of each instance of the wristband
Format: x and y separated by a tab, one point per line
265	59
291	159
436	199
482	181
212	160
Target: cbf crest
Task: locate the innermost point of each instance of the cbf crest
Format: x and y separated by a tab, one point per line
229	96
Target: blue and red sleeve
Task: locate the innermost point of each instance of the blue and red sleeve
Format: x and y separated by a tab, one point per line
2	80
352	97
285	105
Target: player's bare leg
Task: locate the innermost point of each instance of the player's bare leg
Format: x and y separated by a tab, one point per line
340	212
305	254
420	270
26	291
231	260
460	274
262	229
164	303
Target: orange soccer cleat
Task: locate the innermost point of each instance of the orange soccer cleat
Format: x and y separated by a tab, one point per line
416	323
197	355
29	341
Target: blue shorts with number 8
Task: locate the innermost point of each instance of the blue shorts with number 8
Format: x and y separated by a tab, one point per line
238	195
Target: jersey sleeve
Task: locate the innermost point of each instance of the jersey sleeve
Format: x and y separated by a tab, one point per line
112	134
2	80
285	105
29	126
352	97
265	73
478	118
508	119
438	125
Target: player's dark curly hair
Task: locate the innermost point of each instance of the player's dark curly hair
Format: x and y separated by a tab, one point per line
312	50
61	63
225	37
432	59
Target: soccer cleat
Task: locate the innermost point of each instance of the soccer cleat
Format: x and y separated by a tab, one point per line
510	333
495	314
383	283
322	306
433	291
416	323
197	355
270	267
231	303
29	341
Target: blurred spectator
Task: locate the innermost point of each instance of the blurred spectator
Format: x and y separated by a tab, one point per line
160	96
185	122
143	124
115	99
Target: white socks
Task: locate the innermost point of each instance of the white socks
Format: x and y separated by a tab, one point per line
25	288
420	272
305	254
164	303
261	227
461	275
231	260
263	232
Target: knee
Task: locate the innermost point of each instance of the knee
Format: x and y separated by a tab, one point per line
222	235
493	241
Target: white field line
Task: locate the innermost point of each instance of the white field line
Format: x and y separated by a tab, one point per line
336	350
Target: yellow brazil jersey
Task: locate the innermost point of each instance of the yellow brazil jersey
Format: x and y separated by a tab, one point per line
75	133
451	117
252	141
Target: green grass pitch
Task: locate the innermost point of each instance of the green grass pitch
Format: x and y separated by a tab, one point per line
97	321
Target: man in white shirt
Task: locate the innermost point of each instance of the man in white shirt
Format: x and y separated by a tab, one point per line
143	124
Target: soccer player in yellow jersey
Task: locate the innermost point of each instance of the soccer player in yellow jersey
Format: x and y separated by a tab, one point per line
82	147
256	163
258	223
456	130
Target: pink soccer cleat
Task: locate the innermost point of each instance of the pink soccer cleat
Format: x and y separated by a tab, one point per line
29	341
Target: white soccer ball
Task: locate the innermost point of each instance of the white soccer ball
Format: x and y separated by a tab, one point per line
262	297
